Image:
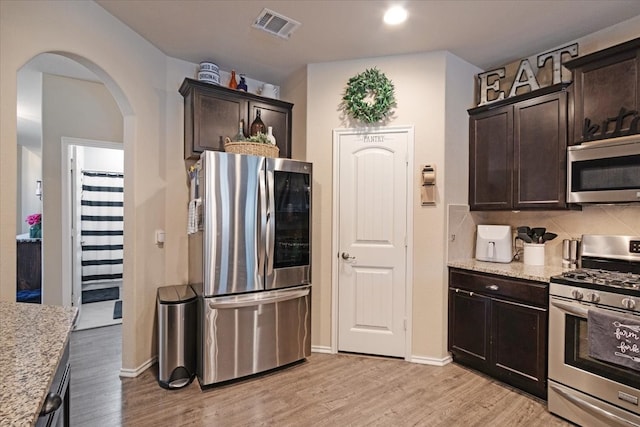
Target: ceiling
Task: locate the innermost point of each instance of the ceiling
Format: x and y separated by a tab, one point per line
486	33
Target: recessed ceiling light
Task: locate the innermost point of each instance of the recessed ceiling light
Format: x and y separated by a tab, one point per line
395	15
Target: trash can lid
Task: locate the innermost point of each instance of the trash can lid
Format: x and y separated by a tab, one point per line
175	294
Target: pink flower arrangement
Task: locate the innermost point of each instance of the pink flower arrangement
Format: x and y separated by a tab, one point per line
34	219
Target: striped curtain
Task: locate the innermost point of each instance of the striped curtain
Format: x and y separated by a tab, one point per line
102	232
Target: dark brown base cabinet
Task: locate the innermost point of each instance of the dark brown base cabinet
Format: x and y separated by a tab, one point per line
499	327
56	410
212	113
29	268
517	152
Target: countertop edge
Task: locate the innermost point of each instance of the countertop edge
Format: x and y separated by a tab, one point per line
517	270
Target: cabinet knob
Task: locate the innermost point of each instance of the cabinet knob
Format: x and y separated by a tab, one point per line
51	404
492	287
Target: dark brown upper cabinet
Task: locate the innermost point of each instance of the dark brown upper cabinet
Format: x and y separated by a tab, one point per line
517	152
605	94
212	113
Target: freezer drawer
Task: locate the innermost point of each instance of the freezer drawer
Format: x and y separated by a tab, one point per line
246	334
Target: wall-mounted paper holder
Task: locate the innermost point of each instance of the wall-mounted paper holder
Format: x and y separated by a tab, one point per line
428	188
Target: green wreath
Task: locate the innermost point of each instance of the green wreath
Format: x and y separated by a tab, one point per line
370	84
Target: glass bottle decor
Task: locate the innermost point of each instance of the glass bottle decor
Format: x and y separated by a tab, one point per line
257	126
270	137
243	83
240	135
233	84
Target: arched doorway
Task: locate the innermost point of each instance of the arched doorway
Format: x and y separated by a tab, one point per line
67	76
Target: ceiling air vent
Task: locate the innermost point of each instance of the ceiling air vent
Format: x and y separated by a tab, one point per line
276	24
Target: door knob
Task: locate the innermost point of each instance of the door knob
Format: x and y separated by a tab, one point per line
345	256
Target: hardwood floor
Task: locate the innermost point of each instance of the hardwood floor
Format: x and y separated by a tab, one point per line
326	390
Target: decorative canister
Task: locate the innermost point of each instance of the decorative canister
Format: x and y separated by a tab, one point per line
209	77
209	66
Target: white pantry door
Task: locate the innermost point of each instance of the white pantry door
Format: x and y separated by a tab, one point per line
372	219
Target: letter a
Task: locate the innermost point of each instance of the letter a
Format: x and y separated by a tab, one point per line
524	68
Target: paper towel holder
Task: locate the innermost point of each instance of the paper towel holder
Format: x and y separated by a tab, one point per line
428	187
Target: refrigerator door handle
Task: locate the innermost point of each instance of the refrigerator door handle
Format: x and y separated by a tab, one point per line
259	299
271	224
262	224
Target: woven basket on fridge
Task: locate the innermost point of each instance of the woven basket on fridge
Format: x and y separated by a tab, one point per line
253	148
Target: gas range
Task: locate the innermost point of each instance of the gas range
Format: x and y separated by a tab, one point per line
594	320
610	269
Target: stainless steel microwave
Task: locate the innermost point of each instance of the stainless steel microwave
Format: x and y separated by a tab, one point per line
604	171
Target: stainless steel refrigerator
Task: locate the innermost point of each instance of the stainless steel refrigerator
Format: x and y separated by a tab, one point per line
250	260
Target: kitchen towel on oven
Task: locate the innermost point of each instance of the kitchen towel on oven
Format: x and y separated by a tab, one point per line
614	339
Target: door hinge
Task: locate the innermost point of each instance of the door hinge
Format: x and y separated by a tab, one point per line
405	324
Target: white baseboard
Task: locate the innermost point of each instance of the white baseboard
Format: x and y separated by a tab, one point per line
321	349
132	373
431	360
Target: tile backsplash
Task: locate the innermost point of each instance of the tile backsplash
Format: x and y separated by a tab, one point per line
596	219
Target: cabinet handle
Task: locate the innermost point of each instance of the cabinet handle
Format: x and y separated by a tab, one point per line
492	287
51	404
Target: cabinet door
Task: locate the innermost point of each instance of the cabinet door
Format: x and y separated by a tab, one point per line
540	152
277	117
519	345
469	328
215	117
491	159
603	83
29	265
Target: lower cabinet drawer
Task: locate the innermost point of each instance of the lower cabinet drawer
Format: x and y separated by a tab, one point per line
526	291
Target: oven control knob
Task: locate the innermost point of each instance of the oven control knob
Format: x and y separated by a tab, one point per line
593	297
628	303
576	294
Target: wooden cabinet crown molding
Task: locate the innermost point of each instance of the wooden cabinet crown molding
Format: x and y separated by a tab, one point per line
612	51
518	98
190	84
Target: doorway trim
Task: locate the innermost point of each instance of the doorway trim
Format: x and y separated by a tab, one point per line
337	133
66	245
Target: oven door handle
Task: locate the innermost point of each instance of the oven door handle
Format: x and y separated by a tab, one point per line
593	409
571	308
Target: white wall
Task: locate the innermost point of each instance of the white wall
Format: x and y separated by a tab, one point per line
30	148
422	100
30	168
155	184
100	159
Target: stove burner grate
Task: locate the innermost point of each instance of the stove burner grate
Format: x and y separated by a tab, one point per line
604	277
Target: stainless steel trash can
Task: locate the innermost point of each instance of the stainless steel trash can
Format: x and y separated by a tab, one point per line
177	313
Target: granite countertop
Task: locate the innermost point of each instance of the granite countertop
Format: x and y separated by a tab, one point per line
517	270
32	341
